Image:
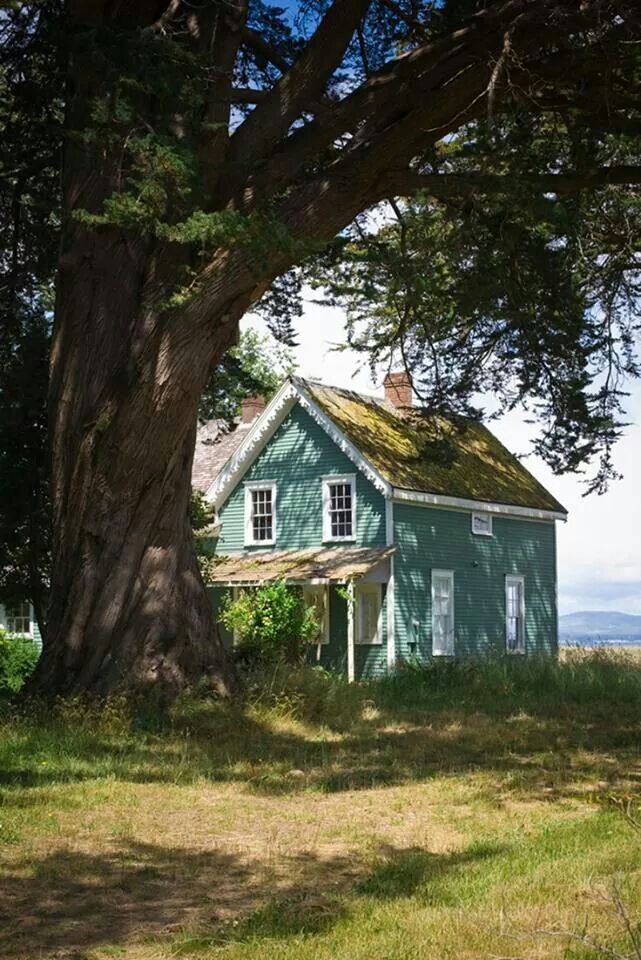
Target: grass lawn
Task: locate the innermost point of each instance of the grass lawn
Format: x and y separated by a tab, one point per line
446	813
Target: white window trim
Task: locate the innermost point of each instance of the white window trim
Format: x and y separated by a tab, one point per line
327	526
449	574
511	578
249	526
311	588
376	589
32	621
486	517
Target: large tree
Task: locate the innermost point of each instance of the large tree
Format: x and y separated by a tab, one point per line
210	147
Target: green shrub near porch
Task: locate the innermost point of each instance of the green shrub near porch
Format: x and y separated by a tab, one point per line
18	657
271	622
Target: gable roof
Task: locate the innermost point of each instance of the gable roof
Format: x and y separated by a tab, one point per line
407	449
407	454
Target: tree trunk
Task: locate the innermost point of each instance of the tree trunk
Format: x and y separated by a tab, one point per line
128	606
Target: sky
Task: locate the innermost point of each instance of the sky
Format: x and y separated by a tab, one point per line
599	547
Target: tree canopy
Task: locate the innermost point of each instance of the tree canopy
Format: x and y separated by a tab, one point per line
461	175
527	228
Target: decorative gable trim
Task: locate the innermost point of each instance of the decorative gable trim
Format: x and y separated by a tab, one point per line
341	441
258	436
264	429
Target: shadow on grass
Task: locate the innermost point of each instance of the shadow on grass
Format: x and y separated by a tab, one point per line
70	901
534	756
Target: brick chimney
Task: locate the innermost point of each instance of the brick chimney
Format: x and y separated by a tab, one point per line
251	407
398	389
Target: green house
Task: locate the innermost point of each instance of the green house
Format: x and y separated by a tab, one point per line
413	536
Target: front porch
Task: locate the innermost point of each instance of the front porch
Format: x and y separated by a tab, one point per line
349	588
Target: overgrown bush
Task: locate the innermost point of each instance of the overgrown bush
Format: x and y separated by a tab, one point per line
18	657
271	622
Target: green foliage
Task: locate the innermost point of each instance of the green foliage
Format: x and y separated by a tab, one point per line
18	657
30	126
201	512
531	298
24	482
255	366
500	683
272	622
306	693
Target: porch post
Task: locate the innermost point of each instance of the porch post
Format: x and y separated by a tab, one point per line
351	659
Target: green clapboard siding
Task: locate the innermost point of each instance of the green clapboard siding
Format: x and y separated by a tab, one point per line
428	538
296	457
37	637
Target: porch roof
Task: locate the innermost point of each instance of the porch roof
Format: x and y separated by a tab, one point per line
324	565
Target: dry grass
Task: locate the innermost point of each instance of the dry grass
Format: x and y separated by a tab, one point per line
370	831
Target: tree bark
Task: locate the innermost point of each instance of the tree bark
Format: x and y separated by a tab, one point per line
128	606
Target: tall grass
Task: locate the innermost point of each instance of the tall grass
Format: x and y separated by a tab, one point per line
599	678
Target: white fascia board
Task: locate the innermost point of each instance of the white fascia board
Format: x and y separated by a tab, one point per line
258	435
264	429
460	503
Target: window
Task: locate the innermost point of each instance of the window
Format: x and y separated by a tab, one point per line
18	619
442	613
260	513
315	595
339	508
368	613
515	614
482	524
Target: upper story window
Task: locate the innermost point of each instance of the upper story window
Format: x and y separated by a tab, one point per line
482	524
339	507
260	513
515	614
18	619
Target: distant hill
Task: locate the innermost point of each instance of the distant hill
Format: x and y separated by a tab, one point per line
592	626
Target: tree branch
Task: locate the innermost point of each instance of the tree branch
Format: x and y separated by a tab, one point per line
220	39
412	22
407	87
247	95
263	49
302	83
408	182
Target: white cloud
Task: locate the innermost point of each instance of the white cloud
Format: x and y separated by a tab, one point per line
599	548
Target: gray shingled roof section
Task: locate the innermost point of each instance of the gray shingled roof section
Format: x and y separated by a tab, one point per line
216	441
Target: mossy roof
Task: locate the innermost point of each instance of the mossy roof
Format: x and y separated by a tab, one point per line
414	450
335	564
